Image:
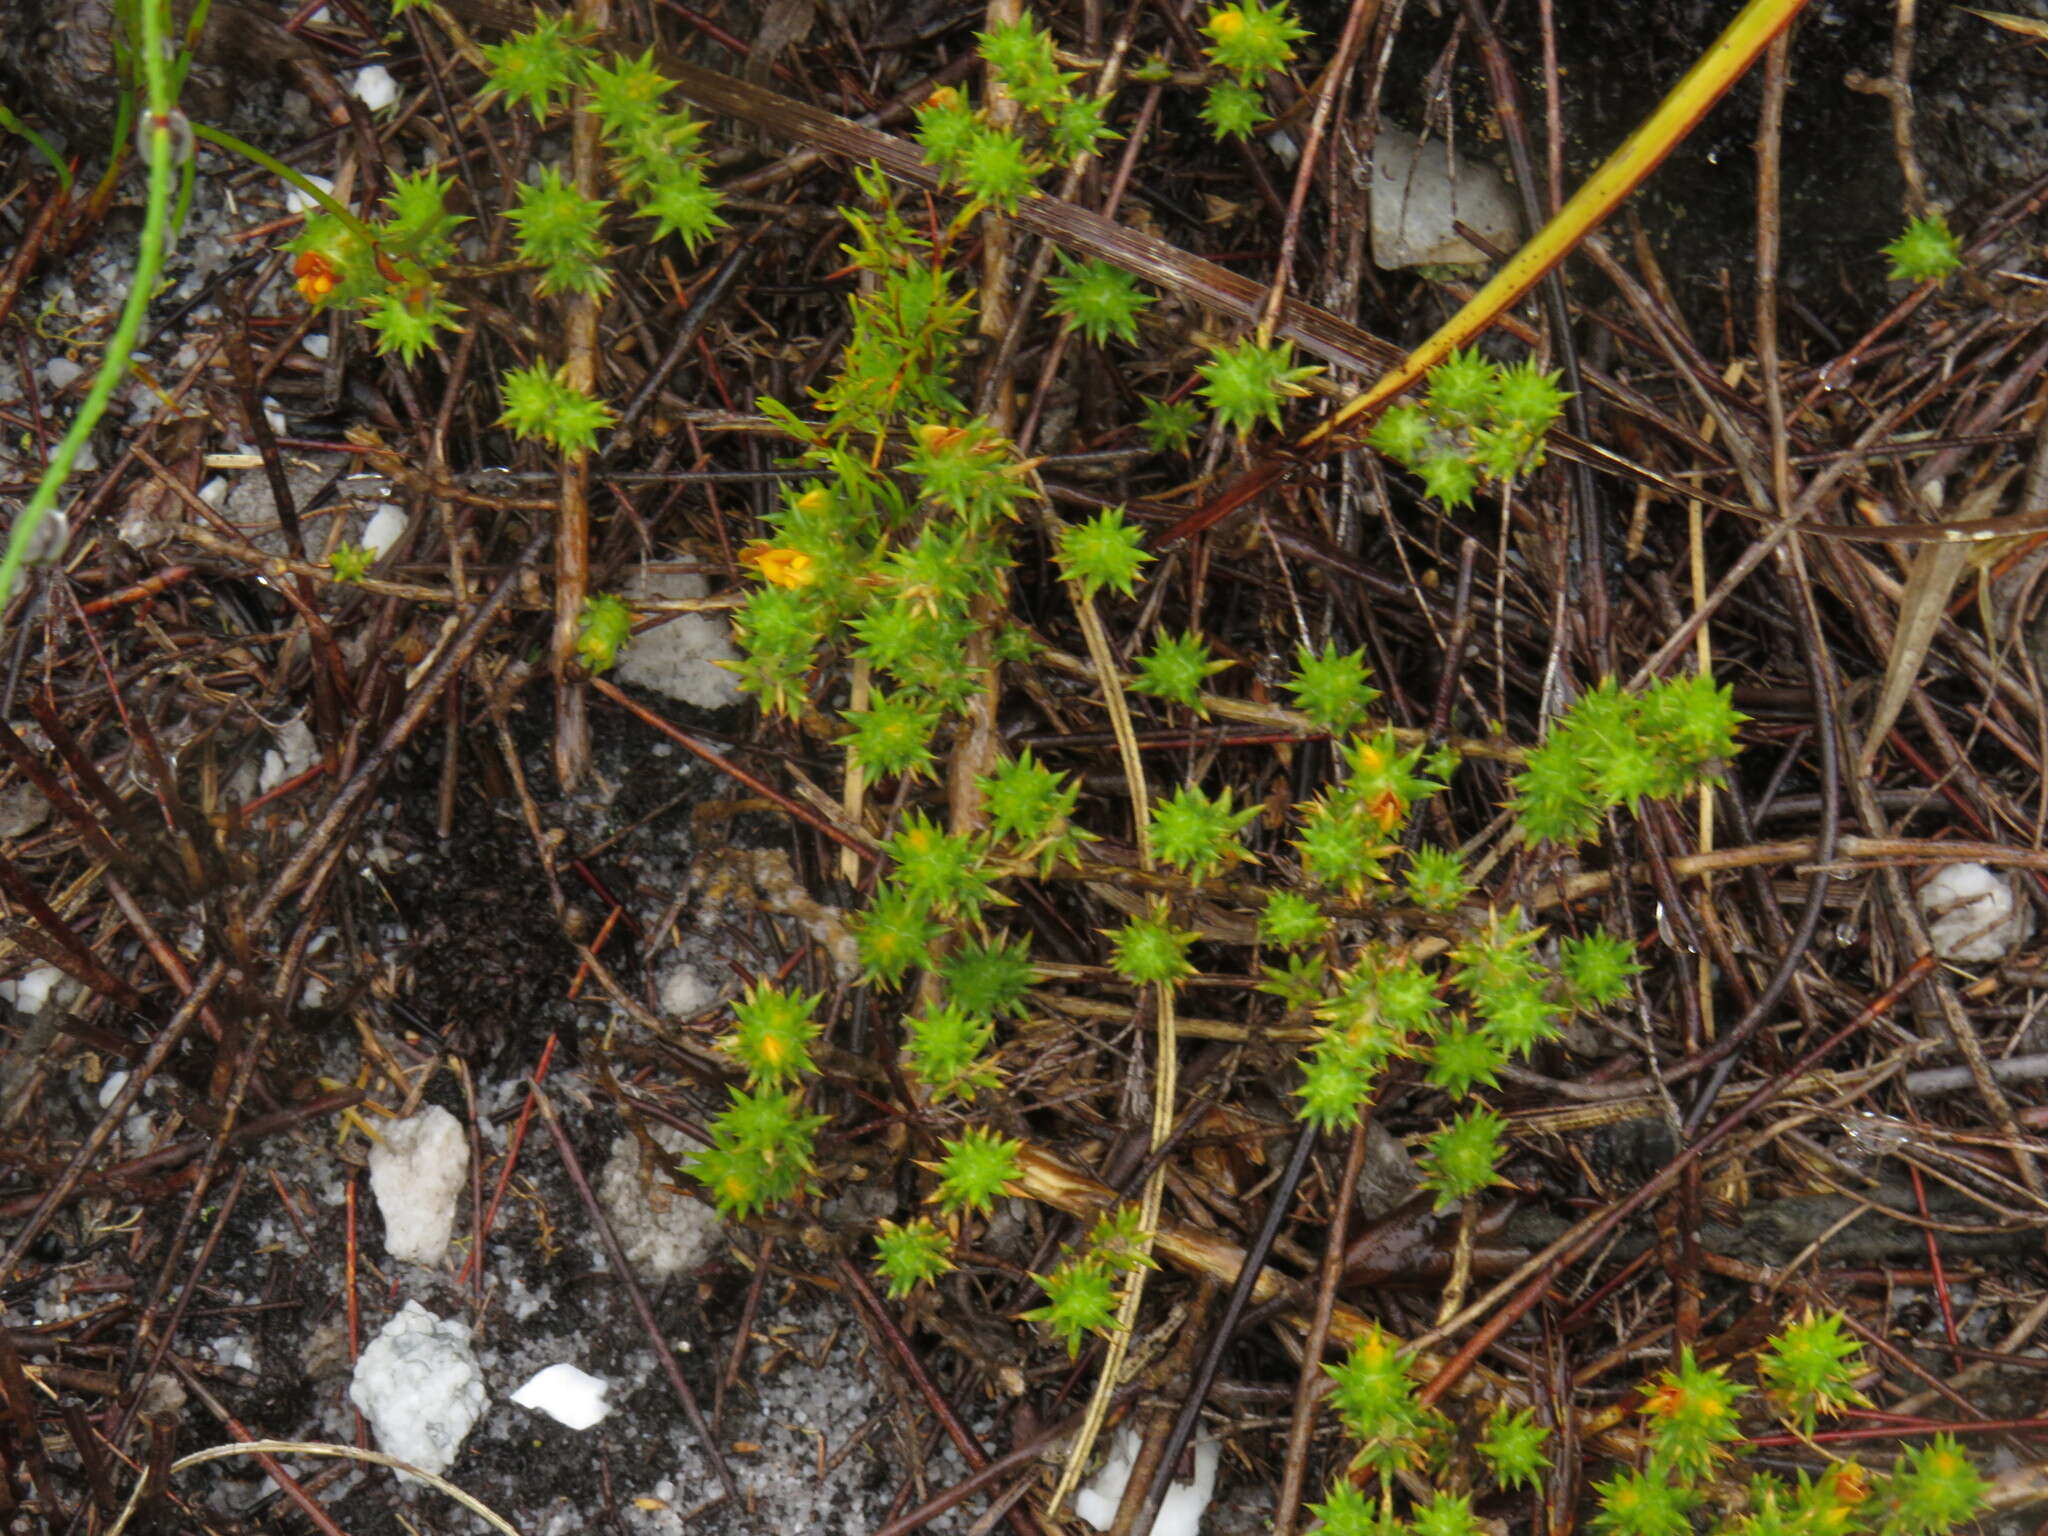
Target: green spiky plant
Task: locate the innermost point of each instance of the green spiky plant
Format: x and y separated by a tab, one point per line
882	609
1689	1420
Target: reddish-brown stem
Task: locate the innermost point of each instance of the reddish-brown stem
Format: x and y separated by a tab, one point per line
1575	1242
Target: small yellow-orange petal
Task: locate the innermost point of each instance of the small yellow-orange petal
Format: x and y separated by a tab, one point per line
782	567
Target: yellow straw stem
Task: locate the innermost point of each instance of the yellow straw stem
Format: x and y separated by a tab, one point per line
1640	153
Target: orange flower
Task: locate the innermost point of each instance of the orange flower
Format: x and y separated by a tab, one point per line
1848	1483
315	276
781	567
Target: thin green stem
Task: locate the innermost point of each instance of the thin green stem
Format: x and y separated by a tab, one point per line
283	172
160	134
40	144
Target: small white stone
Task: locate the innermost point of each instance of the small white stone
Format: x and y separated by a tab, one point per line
663	1231
1973	914
419	1386
1421	192
1180	1513
417	1173
384	529
566	1395
315	343
374	87
680	657
62	373
33	990
296	201
295	753
686	992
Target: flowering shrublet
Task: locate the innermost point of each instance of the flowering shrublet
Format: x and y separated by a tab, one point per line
1513	1447
1097	299
1436	879
1029	806
1149	950
892	735
1247	382
883	576
1382	781
1080	1299
913	1254
947	1049
1176	670
1372	1390
760	1152
1476	422
895	935
1198	834
969	470
1691	1417
1290	920
1104	551
978	1168
1927	250
1464	1157
388	270
1810	1369
394	271
989	977
1613	748
1644	1503
946	871
1331	687
772	1034
539	403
